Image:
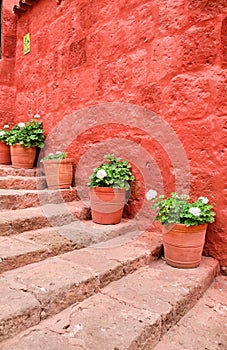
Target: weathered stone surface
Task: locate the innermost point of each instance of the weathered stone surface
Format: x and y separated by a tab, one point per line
17	221
9	46
44	339
114	324
188	96
52	238
224	42
77	234
77	53
131	313
19	310
166	55
22	182
105	270
16	252
221	98
168	290
6	75
24	198
163	60
196	52
70	278
132	254
87	233
8	170
205	9
7	102
54	282
172	15
151	96
32	246
204	326
7	64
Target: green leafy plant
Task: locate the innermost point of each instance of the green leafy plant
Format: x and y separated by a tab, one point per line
29	134
178	209
57	155
113	172
4	134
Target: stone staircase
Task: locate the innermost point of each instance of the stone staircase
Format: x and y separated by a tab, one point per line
68	283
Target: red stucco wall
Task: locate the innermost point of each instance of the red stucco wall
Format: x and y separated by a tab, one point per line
167	56
7	60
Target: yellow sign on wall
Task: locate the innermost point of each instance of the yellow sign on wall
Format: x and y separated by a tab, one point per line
27	43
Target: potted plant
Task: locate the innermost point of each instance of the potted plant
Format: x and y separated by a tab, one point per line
184	225
4	147
108	184
23	140
58	170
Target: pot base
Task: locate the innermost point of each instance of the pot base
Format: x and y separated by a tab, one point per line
107	218
59	173
22	157
183	245
5	154
107	205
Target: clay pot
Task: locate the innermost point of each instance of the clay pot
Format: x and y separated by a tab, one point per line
5	154
107	205
22	157
58	172
183	245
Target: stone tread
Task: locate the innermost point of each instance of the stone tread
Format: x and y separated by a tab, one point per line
57	282
20	199
16	251
5	192
22	182
127	314
32	246
204	327
6	170
18	221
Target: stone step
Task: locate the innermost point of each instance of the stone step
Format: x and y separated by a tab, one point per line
129	313
21	220
20	199
32	246
42	289
8	170
22	182
205	323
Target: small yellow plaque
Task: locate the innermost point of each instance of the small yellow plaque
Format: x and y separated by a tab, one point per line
26	43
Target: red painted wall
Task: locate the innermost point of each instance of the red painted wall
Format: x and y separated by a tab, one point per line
167	56
7	61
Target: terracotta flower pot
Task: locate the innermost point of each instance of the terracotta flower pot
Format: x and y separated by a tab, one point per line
22	157
58	172
5	154
183	245
107	205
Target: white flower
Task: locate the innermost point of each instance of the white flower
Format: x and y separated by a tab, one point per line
101	174
205	200
195	211
58	152
50	154
151	194
6	126
21	125
36	116
2	133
